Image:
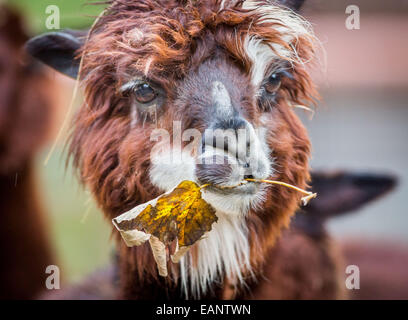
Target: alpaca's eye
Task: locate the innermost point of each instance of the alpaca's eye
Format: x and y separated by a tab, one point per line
273	83
144	93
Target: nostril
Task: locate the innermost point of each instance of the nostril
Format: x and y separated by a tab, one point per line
248	171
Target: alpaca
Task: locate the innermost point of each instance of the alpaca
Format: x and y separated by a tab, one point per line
25	110
203	65
305	262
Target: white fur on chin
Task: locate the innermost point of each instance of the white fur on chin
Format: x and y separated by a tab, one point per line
224	251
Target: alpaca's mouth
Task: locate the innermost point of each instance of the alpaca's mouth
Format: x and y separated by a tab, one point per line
223	172
244	187
226	174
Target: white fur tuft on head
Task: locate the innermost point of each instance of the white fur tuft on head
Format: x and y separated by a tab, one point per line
291	27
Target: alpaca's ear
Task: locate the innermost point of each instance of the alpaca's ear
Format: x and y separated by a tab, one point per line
58	50
12	27
337	194
341	192
295	5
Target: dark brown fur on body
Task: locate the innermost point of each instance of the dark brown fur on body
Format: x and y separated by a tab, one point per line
301	267
298	267
25	252
25	110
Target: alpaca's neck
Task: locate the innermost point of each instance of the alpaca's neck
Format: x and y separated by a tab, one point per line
24	249
223	253
151	286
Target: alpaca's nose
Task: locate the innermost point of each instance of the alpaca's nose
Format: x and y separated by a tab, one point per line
232	136
228	130
234	123
228	134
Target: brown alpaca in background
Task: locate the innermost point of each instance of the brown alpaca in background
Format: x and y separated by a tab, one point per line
307	263
382	264
25	111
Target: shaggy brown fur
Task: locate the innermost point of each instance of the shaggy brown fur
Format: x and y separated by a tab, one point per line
165	43
24	116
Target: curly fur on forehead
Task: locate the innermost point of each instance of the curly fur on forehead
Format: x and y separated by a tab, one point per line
164	40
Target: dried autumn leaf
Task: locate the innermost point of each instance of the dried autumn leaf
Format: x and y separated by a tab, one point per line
180	214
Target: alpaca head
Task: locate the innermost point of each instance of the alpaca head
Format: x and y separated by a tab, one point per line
163	81
23	102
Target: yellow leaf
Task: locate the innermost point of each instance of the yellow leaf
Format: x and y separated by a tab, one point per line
181	214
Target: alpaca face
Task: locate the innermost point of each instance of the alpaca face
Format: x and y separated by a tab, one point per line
202	91
220	80
222	138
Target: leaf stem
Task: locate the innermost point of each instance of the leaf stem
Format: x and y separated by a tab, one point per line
308	195
305	200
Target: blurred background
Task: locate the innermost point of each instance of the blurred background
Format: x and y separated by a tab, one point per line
360	125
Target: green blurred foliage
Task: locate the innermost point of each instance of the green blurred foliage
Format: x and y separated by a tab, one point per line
75	14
